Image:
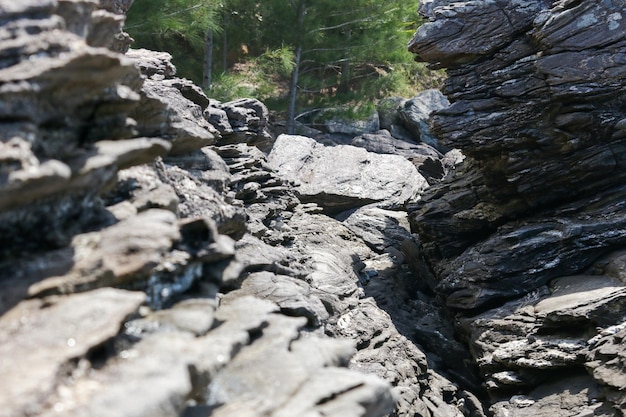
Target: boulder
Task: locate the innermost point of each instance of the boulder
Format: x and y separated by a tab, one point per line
415	112
343	177
426	159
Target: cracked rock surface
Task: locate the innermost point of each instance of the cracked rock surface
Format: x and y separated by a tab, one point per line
525	242
163	254
155	260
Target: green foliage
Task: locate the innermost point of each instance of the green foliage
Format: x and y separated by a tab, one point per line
228	87
176	26
277	61
353	52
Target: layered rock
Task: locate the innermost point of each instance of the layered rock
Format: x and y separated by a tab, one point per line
343	177
538	108
154	262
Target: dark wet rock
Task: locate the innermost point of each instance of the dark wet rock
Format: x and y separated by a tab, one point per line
517	239
501	188
343	177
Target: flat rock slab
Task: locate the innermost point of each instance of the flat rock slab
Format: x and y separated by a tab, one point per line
342	177
379	228
579	295
38	337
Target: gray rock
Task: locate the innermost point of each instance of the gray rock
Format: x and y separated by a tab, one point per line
200	180
55	137
241	121
426	159
343	177
379	228
153	64
353	127
606	362
257	256
190	91
48	334
415	112
142	188
237	389
293	296
109	258
581	398
515	344
165	112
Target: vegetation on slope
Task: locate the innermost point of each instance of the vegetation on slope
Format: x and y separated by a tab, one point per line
295	55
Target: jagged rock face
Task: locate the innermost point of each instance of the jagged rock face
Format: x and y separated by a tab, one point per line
54	119
524	108
154	263
538	107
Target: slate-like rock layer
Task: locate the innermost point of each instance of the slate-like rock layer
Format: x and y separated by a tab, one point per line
153	263
537	106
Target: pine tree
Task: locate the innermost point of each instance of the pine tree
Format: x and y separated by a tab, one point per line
336	50
185	28
335	42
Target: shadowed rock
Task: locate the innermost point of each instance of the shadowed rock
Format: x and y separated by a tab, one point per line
537	103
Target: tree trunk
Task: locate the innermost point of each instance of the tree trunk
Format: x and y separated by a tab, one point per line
208	61
300	9
344	83
346	75
225	43
293	92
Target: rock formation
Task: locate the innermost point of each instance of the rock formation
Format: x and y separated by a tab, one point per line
163	254
526	241
156	261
